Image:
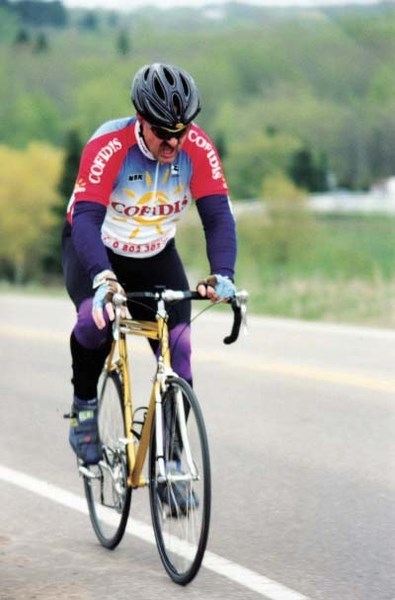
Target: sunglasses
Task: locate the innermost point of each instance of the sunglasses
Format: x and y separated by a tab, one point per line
164	134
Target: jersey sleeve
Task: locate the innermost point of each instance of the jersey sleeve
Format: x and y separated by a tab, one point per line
86	236
100	162
220	231
207	172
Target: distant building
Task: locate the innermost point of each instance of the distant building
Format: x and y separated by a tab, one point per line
385	187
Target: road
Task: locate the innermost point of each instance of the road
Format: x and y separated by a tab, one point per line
301	421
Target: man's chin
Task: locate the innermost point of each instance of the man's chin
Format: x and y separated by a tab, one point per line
166	158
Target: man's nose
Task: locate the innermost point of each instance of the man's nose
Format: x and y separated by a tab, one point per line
173	142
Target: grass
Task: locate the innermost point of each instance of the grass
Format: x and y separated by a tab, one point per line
339	269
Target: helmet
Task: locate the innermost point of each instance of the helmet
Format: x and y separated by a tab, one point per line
166	96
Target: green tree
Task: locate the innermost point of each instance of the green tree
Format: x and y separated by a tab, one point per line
89	21
289	227
39	12
27	193
94	105
123	43
306	172
22	37
31	116
72	155
253	158
113	20
8	24
41	44
220	143
73	149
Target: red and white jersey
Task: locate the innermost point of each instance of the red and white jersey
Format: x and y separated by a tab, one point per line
144	198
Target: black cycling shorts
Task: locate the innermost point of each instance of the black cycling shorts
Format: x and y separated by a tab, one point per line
134	274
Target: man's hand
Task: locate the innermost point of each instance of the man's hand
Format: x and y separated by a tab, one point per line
106	286
216	288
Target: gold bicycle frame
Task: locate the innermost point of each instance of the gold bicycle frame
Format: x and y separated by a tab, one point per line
118	359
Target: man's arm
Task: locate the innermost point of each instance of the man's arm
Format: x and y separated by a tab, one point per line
86	236
220	232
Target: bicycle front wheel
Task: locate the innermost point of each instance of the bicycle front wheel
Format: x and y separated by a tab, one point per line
180	482
106	484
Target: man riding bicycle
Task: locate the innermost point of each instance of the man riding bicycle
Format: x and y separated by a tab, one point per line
137	177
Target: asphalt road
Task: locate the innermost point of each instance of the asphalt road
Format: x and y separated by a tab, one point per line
301	421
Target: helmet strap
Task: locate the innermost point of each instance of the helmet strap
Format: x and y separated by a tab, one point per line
141	141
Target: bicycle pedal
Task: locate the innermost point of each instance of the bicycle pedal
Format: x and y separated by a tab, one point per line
69	415
86	472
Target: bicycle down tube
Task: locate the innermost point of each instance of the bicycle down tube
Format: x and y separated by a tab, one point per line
149	330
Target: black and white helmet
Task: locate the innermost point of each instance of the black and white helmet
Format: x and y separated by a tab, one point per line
166	96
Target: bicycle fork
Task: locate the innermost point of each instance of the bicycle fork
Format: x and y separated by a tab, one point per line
160	419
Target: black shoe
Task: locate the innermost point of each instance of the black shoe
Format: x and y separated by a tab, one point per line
177	495
84	431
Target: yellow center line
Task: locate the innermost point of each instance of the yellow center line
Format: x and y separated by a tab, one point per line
302	371
232	362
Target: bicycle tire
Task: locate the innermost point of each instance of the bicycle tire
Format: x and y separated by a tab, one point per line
180	508
107	492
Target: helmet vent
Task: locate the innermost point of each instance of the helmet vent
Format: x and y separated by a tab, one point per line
185	86
169	77
177	105
146	74
159	89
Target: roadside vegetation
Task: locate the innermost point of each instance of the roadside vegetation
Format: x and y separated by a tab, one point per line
334	268
297	101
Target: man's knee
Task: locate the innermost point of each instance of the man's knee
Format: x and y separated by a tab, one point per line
85	330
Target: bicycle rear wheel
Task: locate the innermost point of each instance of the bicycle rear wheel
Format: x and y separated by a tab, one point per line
180	495
106	489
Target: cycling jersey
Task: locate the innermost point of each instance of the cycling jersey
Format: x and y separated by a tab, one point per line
125	207
143	198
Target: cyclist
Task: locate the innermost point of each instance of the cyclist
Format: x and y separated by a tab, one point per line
137	177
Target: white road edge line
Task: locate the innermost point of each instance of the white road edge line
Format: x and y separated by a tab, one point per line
245	577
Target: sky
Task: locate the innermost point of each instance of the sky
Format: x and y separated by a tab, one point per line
130	4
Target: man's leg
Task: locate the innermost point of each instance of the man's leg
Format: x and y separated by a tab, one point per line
180	348
89	347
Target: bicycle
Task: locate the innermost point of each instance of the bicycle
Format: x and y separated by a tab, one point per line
171	428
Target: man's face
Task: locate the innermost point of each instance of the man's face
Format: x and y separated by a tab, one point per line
163	150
